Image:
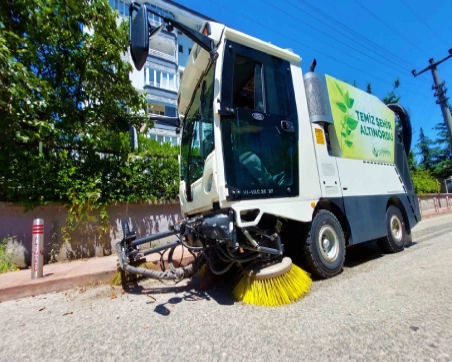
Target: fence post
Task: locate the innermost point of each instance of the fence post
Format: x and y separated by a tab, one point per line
37	255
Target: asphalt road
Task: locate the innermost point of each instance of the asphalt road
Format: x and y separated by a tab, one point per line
382	308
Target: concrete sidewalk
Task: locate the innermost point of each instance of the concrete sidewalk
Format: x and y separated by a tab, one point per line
67	275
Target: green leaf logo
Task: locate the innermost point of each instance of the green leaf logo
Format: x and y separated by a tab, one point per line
347	99
339	89
352	123
348	123
342	106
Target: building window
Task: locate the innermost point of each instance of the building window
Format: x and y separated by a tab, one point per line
189	50
159	79
121	6
181	49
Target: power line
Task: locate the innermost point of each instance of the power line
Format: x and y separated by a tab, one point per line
389	27
337	40
340	32
423	22
309	47
344	26
353	32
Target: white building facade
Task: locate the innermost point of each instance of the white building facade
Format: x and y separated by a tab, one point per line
168	54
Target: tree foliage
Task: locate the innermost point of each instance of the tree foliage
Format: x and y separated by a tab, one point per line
424	182
66	104
424	151
61	73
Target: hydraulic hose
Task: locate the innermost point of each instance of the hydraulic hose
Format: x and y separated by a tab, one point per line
176	274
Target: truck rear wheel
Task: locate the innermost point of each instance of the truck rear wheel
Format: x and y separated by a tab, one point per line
395	226
325	245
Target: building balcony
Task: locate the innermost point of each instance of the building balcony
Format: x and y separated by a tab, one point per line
161	55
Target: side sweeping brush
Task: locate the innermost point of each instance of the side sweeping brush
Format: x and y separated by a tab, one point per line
278	284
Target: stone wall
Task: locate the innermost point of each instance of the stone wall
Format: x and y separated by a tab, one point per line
16	226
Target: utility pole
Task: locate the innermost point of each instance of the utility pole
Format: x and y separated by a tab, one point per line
440	90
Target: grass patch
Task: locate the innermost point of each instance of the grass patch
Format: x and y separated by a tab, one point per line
6	264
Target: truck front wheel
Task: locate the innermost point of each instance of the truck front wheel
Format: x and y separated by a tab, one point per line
325	245
395	227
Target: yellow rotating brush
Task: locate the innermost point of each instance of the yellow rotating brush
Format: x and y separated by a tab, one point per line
278	284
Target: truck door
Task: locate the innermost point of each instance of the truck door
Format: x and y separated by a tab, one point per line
260	128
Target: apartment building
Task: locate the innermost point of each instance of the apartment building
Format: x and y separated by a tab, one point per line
164	68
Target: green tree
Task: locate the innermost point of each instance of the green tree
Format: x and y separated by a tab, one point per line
62	74
442	167
424	182
424	146
392	97
64	86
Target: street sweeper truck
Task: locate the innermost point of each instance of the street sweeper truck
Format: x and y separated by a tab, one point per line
275	165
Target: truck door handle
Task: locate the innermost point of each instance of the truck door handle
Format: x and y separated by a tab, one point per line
287	126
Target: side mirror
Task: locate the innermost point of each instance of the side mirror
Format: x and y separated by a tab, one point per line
139	38
133	138
140	35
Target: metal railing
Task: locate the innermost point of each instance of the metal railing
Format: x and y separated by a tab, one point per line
161	55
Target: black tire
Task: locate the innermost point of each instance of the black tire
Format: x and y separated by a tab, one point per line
325	262
394	242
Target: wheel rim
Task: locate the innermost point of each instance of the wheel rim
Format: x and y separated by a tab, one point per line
396	228
328	243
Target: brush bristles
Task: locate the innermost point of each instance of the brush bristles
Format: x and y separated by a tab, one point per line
284	289
124	277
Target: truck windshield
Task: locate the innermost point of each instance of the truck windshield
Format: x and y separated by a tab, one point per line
197	135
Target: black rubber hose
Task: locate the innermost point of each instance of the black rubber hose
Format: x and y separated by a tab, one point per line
407	131
176	274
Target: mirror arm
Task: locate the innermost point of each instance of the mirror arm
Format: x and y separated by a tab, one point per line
169	121
203	41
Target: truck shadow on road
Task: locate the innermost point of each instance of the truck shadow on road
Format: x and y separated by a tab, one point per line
366	252
196	289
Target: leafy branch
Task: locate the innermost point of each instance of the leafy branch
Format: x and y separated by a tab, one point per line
348	124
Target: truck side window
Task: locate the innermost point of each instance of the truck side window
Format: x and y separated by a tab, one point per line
276	87
247	89
197	136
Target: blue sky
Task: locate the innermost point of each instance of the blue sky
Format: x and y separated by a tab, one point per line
360	47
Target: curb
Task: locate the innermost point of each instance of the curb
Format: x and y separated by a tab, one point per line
44	286
435	214
60	277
